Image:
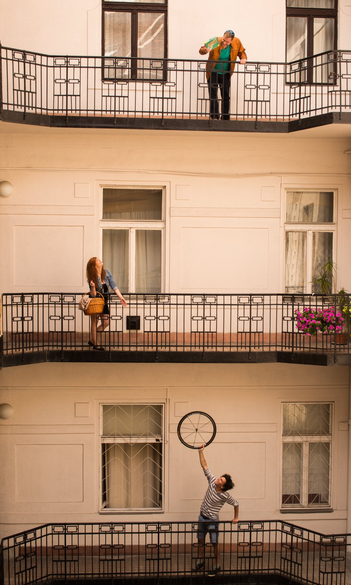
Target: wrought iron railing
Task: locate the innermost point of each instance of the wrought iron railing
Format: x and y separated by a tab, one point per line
253	551
102	87
178	324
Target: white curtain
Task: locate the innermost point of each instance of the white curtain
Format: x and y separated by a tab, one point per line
133	476
310	3
318	473
292	473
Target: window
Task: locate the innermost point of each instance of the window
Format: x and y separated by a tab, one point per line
309	238
136	30
132	456
306	455
311	29
132	238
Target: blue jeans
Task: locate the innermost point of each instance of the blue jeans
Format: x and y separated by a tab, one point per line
207	525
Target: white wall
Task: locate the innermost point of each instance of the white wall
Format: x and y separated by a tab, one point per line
74	28
224	208
49	448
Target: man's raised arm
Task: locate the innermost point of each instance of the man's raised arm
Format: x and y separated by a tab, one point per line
202	458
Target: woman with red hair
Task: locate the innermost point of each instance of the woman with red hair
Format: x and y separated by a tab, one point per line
100	280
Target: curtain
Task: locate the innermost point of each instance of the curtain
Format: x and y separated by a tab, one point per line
133	476
115	253
306	419
310	3
292	473
318	473
295	262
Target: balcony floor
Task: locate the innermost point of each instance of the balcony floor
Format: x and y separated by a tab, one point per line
176	122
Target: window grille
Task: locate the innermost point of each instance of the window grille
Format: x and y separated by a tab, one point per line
306	468
132	456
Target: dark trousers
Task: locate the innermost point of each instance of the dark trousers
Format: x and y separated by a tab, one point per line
221	81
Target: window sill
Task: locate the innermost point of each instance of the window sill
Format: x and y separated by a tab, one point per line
306	510
131	511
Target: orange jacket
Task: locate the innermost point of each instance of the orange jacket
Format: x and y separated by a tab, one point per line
236	50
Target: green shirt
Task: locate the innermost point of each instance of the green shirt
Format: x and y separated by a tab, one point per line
221	67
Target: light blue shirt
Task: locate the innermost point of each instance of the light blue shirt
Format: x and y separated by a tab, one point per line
108	280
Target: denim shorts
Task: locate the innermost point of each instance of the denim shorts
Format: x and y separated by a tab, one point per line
207	525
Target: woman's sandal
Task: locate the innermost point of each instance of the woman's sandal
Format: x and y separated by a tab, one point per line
97	347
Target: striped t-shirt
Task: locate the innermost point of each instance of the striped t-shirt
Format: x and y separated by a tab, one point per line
213	500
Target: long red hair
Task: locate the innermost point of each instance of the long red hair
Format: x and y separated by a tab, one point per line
92	274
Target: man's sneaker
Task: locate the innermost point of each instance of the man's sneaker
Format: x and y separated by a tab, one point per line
213	572
199	565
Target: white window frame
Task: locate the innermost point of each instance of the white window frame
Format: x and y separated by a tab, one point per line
309	229
160	439
132	226
306	440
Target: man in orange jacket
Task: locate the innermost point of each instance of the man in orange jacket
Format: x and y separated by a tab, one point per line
220	68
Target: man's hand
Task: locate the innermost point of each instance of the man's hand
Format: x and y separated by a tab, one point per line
235	520
242	61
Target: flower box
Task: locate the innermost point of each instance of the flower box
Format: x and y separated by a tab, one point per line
326	320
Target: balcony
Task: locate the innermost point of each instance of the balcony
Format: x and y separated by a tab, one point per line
166	552
183	328
99	92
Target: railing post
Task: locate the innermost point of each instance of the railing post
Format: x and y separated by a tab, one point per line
67	89
250	327
24	87
61	303
293	324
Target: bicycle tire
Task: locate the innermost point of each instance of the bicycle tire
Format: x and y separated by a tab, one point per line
196	428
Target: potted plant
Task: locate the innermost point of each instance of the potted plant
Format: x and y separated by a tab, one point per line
327	320
345	309
323	282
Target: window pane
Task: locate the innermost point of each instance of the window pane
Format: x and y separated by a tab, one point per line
132	456
151	35
115	253
296	38
322	252
318	473
148	261
132	420
323	40
306	419
134	204
295	262
132	476
323	35
292	473
309	207
310	3
117	34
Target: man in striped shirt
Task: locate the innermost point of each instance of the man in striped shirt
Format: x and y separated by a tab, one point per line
216	496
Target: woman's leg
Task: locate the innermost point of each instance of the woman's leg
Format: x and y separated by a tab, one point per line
105	320
93	323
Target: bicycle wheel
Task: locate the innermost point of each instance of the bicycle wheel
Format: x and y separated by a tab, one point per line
195	429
